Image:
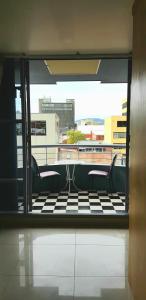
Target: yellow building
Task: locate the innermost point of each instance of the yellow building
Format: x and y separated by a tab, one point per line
115	131
124	107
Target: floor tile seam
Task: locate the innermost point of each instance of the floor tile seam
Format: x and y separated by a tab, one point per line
50	203
74	266
101	245
79	213
76	232
49	244
87	204
64	276
101	276
78	202
5	244
37	275
90	201
37	245
33	275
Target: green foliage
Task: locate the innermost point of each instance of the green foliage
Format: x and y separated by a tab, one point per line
73	136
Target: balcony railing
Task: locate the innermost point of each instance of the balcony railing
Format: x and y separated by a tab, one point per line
101	154
78	160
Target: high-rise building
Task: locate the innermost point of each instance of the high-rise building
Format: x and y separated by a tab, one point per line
64	110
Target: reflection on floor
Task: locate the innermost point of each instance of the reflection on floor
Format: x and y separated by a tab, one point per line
65	264
78	203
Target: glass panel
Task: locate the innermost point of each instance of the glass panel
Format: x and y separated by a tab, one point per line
11	150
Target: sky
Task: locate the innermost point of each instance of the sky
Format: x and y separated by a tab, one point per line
92	99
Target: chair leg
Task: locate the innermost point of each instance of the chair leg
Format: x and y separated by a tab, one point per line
56	184
91	183
110	185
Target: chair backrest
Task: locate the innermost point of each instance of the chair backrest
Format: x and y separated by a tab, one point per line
112	164
34	167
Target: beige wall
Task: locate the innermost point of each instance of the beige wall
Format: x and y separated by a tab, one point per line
43	155
108	130
137	212
111	127
52	131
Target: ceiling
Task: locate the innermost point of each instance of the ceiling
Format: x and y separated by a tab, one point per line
65	26
109	71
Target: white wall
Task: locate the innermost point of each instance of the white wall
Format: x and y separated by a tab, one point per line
43	155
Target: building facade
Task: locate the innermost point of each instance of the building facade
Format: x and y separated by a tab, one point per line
115	130
44	131
64	110
115	133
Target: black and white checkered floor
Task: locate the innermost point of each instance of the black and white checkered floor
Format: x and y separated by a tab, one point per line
78	203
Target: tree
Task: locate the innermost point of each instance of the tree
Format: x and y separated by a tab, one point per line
73	136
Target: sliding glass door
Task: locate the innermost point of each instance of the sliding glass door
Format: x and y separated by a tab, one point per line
14	131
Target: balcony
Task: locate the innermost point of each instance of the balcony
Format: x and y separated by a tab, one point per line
74	193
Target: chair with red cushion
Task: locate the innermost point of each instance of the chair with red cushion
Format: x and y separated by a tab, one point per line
40	176
104	174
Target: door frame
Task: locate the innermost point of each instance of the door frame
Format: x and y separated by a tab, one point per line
26	133
26	123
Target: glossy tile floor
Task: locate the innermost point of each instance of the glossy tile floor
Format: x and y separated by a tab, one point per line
64	264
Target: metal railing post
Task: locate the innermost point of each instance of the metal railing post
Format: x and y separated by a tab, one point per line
78	153
46	155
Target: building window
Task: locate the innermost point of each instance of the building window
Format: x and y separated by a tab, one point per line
124	105
18	129
90	149
45	105
56	106
119	135
121	123
38	127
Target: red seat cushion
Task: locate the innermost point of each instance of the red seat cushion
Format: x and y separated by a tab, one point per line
98	173
48	173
